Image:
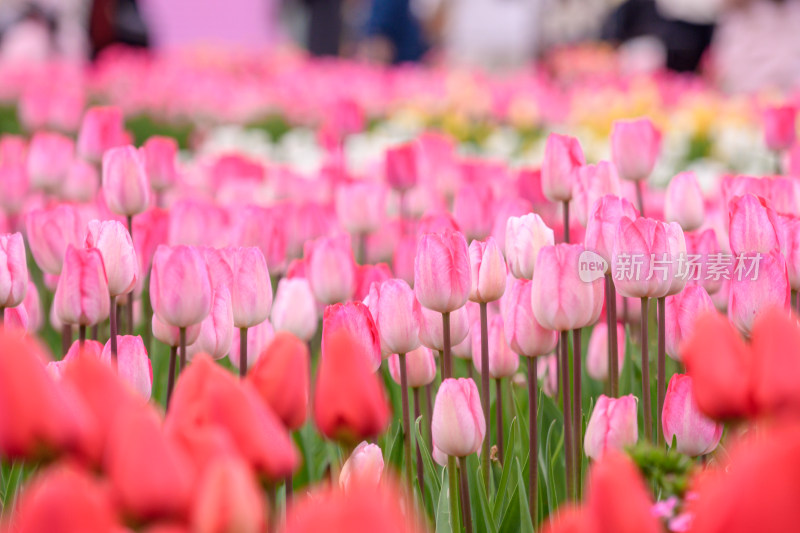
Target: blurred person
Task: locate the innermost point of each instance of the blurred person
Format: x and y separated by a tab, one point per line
393	33
324	27
37	30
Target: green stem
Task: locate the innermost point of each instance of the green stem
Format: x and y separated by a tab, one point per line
662	364
533	459
577	409
646	403
447	361
485	389
567	413
453	480
406	418
466	511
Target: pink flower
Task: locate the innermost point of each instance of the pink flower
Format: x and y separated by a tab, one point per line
563	157
49	159
641	263
294	309
364	466
694	433
391	304
251	288
13	270
703	244
216	330
601	227
170	335
593	183
125	184
431	327
473	210
361	206
101	129
790	247
133	363
458	425
753	225
780	127
331	269
114	243
180	289
50	231
355	318
503	362
442	271
81	182
228	497
82	294
401	166
684	202
635	145
488	271
757	291
612	426
682	311
525	236
597	353
160	157
524	334
420	367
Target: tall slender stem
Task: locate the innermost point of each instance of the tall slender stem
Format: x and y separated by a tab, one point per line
662	363
129	313
288	489
361	239
648	410
96	331
66	338
112	319
453	481
577	408
242	352
81	335
498	406
429	414
406	418
640	196
173	353
2	315
183	348
470	373
533	439
613	368
566	221
485	389
466	511
420	470
447	361
567	412
147	318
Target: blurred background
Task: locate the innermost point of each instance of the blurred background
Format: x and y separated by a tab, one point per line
741	45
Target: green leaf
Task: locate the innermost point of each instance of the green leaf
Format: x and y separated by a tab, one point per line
526	525
483	513
427	460
549	459
511	522
396	450
443	524
499	496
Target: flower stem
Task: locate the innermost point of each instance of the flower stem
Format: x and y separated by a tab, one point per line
183	349
577	408
640	196
66	338
242	352
112	326
420	470
485	389
613	360
173	353
466	511
453	480
82	335
566	221
567	412
662	364
406	418
447	361
533	438
648	412
429	414
498	404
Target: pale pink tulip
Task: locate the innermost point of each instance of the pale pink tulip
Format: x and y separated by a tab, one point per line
597	352
488	271
442	271
612	426
361	206
13	270
420	367
133	363
694	433
458	427
294	309
125	184
114	243
363	467
331	269
525	236
601	227
592	183
503	362
431	327
391	304
82	294
251	288
180	289
684	202
563	156
216	330
50	231
752	292
635	145
160	160
49	159
524	334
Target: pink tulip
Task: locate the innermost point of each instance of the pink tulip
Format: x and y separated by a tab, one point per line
473	210
754	226
560	299
635	145
420	367
228	498
780	127
404	257
170	335
368	275
703	245
757	291
13	148
547	368
503	362
133	363
331	269
101	129
14	178
160	156
33	308
684	202
525	236
258	338
431	327
50	231
265	228
49	158
114	243
363	467
601	227
676	245
488	271
198	223
593	182
442	271
790	248
355	318
216	330
16	318
524	334
13	270
563	157
180	289
612	426
694	433
82	293
80	183
391	304
597	354
149	232
642	263
251	288
125	184
506	209
294	309
401	166
458	425
361	206
681	313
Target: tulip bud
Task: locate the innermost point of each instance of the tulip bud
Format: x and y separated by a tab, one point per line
442	271
592	183
681	312
391	304
125	184
524	334
355	318
431	326
251	289
114	243
597	355
49	158
133	363
559	298
159	157
216	330
228	499
101	129
363	467
563	157
503	362
13	270
50	231
601	227
361	206
401	166
612	426
753	225
780	128
82	294
258	338
641	262
525	236
294	309
694	433
635	145
420	367
458	426
684	201
752	292
180	290
280	376
331	269
488	271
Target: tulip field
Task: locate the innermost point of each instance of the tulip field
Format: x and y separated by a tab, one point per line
240	296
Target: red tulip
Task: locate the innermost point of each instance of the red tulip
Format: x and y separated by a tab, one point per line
442	271
82	294
355	318
563	158
635	145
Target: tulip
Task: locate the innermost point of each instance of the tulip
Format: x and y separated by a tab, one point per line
33	308
265	228
421	365
458	425
50	231
159	156
684	202
13	270
80	183
251	293
524	334
228	499
195	222
149	232
780	128
82	294
367	275
101	129
294	309
14	177
331	269
754	226
401	166
170	335
682	312
635	145
597	354
525	236
563	158
280	376
704	246
361	206
430	326
442	271
114	243
258	338
133	363
216	330
349	403
49	159
473	210
355	318
125	183
391	304
180	289
503	362
601	226
790	248
363	467
547	369
612	426
593	182
488	271
751	291
694	433
641	259
404	257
